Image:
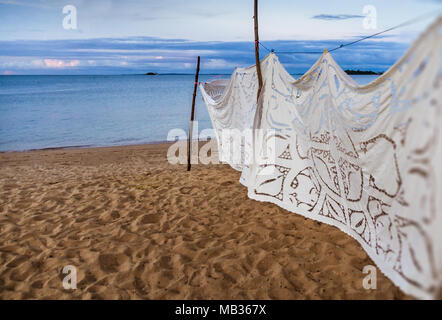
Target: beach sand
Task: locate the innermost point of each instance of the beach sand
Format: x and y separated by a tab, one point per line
136	227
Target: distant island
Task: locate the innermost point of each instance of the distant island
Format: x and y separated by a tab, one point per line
151	74
369	72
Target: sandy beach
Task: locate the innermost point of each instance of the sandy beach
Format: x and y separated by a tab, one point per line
136	227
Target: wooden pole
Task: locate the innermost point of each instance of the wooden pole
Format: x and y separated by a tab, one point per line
258	64
192	115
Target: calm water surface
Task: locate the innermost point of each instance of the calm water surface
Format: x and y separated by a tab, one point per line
39	112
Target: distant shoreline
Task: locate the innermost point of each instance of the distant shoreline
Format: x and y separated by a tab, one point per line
361	72
91	146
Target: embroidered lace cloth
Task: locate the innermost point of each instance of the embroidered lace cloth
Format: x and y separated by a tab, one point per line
365	159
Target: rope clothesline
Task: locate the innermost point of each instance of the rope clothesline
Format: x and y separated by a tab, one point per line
406	23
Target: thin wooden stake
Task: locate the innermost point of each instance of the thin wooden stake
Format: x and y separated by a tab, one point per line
192	115
258	64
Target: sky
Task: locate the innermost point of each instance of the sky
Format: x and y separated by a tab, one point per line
166	36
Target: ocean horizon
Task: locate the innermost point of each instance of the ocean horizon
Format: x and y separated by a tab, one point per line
71	111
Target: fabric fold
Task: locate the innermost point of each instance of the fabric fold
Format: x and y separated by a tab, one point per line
364	159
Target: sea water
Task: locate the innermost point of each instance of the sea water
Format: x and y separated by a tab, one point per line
38	112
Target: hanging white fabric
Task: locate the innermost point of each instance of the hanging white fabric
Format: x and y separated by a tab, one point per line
366	159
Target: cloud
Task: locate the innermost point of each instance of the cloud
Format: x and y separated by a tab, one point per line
218	64
60	64
136	55
42	4
337	16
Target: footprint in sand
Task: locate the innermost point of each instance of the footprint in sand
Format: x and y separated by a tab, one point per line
111	263
150	218
115	215
89	278
164	262
140	286
186	190
17	261
37	284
